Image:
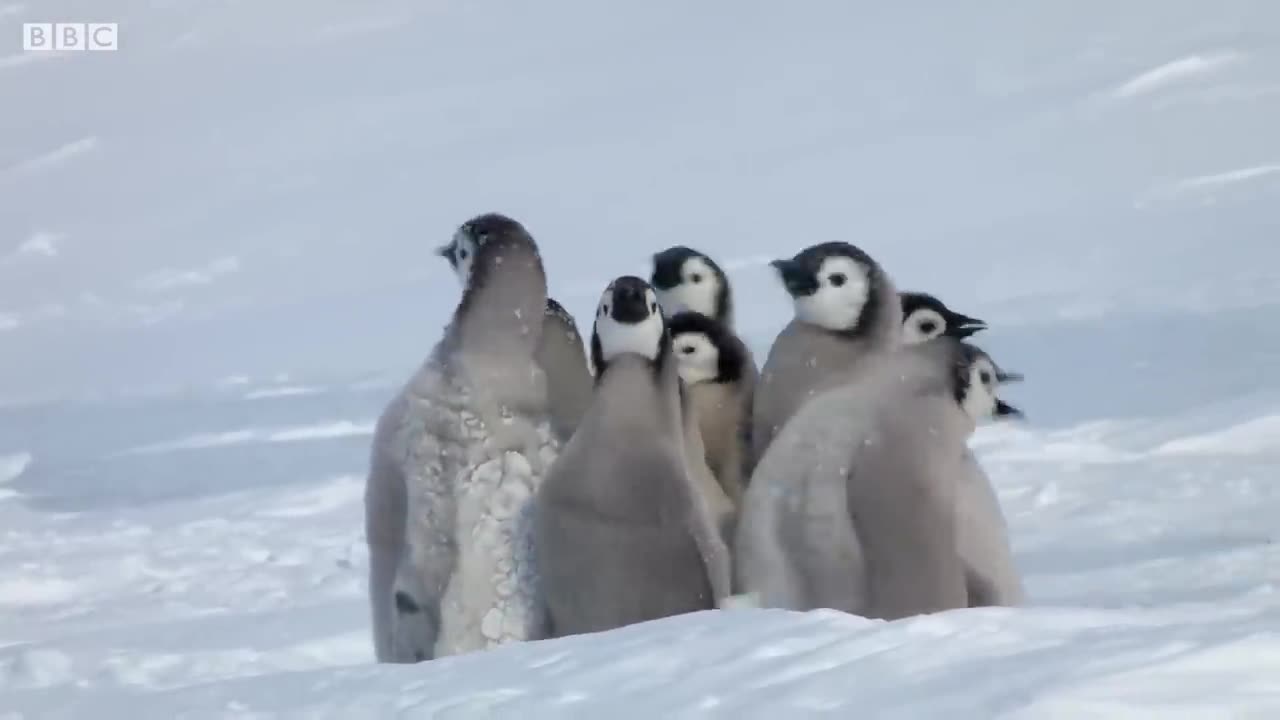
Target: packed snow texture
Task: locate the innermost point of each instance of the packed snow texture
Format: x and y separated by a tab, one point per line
216	266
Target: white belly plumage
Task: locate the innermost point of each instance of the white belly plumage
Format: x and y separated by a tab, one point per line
468	569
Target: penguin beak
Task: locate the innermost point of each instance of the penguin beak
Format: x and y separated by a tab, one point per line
966	326
797	282
1005	410
445	251
1008	376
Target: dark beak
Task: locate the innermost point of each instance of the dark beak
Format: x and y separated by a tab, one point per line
1005	410
445	251
965	325
1008	376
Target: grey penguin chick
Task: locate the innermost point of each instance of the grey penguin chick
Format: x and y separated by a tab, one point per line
713	363
563	359
622	534
983	530
846	311
457	456
689	280
925	317
854	505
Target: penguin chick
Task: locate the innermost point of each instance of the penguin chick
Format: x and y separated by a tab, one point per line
983	531
713	363
688	280
854	505
563	360
455	463
924	317
846	310
621	533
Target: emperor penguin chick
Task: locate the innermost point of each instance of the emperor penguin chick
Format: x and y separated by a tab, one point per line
713	365
924	317
846	311
983	531
853	507
457	457
689	280
561	356
621	532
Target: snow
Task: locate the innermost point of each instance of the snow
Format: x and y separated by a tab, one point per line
216	267
1179	71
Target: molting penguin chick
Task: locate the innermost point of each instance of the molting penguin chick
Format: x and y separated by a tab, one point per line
862	483
622	534
456	460
924	317
689	280
846	311
714	365
560	353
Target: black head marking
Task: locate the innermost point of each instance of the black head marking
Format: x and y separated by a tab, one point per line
667	265
799	275
958	325
731	350
629	300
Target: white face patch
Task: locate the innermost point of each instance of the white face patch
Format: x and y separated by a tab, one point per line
921	325
464	249
697	291
616	338
843	289
697	358
980	399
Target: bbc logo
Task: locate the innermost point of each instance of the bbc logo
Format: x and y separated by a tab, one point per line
69	36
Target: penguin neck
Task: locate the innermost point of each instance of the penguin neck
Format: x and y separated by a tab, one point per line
724	305
502	307
643	381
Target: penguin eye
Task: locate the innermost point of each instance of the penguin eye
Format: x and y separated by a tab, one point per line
837	279
653	307
604	309
928	326
462	254
985	377
695	278
687	350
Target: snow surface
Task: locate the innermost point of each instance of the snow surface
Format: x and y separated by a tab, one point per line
216	267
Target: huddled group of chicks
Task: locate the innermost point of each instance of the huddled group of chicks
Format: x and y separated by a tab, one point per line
520	489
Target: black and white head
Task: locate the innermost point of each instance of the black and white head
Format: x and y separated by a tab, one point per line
628	320
705	350
924	317
834	286
977	383
473	236
686	279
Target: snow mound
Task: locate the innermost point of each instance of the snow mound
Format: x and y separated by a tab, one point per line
1043	663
